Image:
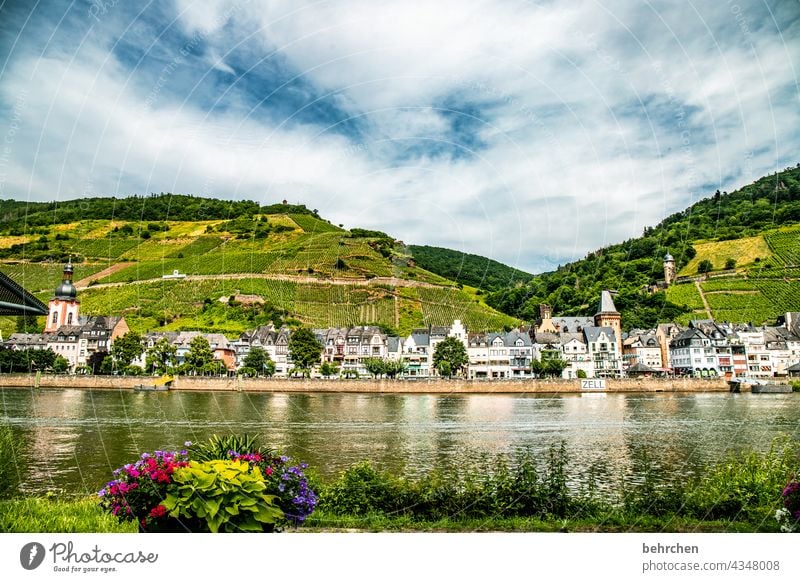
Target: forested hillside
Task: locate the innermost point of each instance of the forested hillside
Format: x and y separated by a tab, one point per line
467	269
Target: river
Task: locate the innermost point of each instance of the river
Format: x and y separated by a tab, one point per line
71	440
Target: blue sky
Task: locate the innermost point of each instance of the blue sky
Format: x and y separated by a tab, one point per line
529	132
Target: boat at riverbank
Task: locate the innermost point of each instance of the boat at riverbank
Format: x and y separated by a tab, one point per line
150	388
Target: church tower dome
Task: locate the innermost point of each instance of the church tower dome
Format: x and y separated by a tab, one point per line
64	306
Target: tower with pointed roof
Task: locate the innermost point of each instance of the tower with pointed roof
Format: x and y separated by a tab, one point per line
64	306
608	316
669	269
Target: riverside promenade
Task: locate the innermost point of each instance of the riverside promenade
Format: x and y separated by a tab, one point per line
427	386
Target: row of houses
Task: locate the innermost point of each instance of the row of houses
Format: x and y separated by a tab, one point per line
590	347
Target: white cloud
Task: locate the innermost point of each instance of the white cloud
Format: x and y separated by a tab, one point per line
529	133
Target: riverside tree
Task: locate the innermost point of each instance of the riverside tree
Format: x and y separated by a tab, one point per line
200	354
127	348
452	352
304	349
259	360
162	356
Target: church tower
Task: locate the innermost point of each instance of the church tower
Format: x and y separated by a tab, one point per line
608	316
64	306
669	270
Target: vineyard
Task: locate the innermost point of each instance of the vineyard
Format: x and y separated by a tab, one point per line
685	294
44	277
785	245
443	306
313	225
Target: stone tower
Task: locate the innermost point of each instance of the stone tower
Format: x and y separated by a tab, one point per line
64	306
608	316
669	270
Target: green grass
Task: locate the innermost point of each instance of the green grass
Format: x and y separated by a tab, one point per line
45	515
612	522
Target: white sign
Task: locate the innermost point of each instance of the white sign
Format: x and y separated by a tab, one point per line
593	384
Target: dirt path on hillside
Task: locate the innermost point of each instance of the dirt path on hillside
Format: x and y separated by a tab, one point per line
100	274
703	297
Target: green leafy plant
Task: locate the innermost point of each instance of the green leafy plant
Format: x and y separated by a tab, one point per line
224	495
219	447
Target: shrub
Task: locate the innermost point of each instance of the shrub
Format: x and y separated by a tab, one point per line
361	489
9	464
225	496
746	486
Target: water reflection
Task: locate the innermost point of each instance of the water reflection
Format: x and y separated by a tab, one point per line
73	439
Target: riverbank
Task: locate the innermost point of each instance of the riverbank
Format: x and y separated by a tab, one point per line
380	386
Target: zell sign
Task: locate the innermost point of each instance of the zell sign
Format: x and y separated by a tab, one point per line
593	384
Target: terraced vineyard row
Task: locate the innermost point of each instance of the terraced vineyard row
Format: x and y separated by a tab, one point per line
443	306
785	246
726	284
685	294
101	248
199	246
36	277
311	224
784	295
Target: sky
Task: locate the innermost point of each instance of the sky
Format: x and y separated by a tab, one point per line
529	132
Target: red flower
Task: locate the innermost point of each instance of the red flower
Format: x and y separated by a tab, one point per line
158	511
268	471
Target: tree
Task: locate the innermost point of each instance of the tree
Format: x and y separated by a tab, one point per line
705	266
304	348
394	368
554	367
580	374
60	365
445	369
258	359
327	369
730	264
200	354
95	361
451	351
375	366
127	348
162	357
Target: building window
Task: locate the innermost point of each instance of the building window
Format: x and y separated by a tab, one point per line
69	319
55	317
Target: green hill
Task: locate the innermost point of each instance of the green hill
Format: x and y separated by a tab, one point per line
467	269
749	225
298	266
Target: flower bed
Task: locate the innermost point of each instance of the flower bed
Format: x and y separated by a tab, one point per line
211	487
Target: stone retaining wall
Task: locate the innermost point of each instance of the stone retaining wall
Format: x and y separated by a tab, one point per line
437	386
